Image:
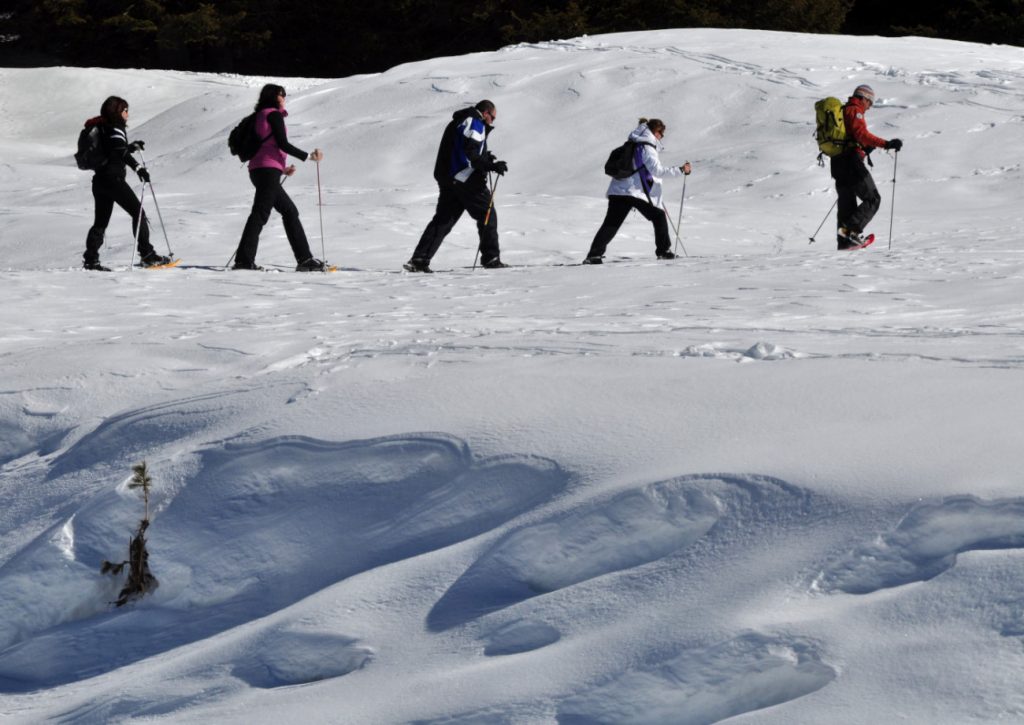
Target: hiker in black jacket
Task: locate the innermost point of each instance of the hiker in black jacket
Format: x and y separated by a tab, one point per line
109	186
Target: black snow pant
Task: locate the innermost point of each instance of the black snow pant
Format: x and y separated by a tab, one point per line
853	182
270	195
455	198
618	208
107	191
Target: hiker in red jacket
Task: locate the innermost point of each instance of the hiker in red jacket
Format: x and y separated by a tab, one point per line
853	180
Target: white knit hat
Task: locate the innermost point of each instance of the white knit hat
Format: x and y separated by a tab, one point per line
866	92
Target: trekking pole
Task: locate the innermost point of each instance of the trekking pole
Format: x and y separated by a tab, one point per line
487	216
675	230
892	204
160	216
138	226
679	221
490	203
320	206
827	214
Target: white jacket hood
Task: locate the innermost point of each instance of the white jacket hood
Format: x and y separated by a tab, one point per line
642	134
633	186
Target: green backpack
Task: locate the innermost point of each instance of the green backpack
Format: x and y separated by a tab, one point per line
830	131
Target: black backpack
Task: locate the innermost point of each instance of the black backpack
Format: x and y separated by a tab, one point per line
620	161
89	155
243	141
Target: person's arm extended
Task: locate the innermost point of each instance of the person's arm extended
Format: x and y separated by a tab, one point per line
277	129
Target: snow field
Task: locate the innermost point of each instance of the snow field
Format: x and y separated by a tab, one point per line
767	481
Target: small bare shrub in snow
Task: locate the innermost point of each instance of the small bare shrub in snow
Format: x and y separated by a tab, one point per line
140	579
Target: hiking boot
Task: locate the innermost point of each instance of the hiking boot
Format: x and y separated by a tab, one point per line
96	267
417	265
495	263
851	238
247	265
311	265
155	260
594	260
666	255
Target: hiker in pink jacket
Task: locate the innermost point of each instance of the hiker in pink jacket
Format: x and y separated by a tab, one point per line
265	170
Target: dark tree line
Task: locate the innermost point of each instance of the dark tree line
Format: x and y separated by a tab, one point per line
333	38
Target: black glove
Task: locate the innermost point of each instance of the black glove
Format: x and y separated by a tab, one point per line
136	146
484	162
499	167
143	174
894	144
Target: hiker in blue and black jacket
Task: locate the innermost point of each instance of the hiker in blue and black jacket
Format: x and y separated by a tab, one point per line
461	173
109	186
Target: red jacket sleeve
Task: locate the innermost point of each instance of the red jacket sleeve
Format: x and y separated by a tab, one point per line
857	127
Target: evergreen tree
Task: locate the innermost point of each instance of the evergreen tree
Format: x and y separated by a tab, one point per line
140	579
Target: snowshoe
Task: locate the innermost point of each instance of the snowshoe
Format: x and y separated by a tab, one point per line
311	265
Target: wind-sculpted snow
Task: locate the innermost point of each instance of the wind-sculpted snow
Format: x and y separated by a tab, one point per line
630	530
328	510
14	442
758	351
320	511
126	436
703	686
520	636
926	543
489	716
27	426
280	658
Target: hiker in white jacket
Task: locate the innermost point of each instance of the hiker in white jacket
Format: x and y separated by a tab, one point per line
640	191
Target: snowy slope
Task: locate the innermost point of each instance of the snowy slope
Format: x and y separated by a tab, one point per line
768	481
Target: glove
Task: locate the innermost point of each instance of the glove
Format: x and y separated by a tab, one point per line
143	174
499	167
894	144
484	162
136	146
